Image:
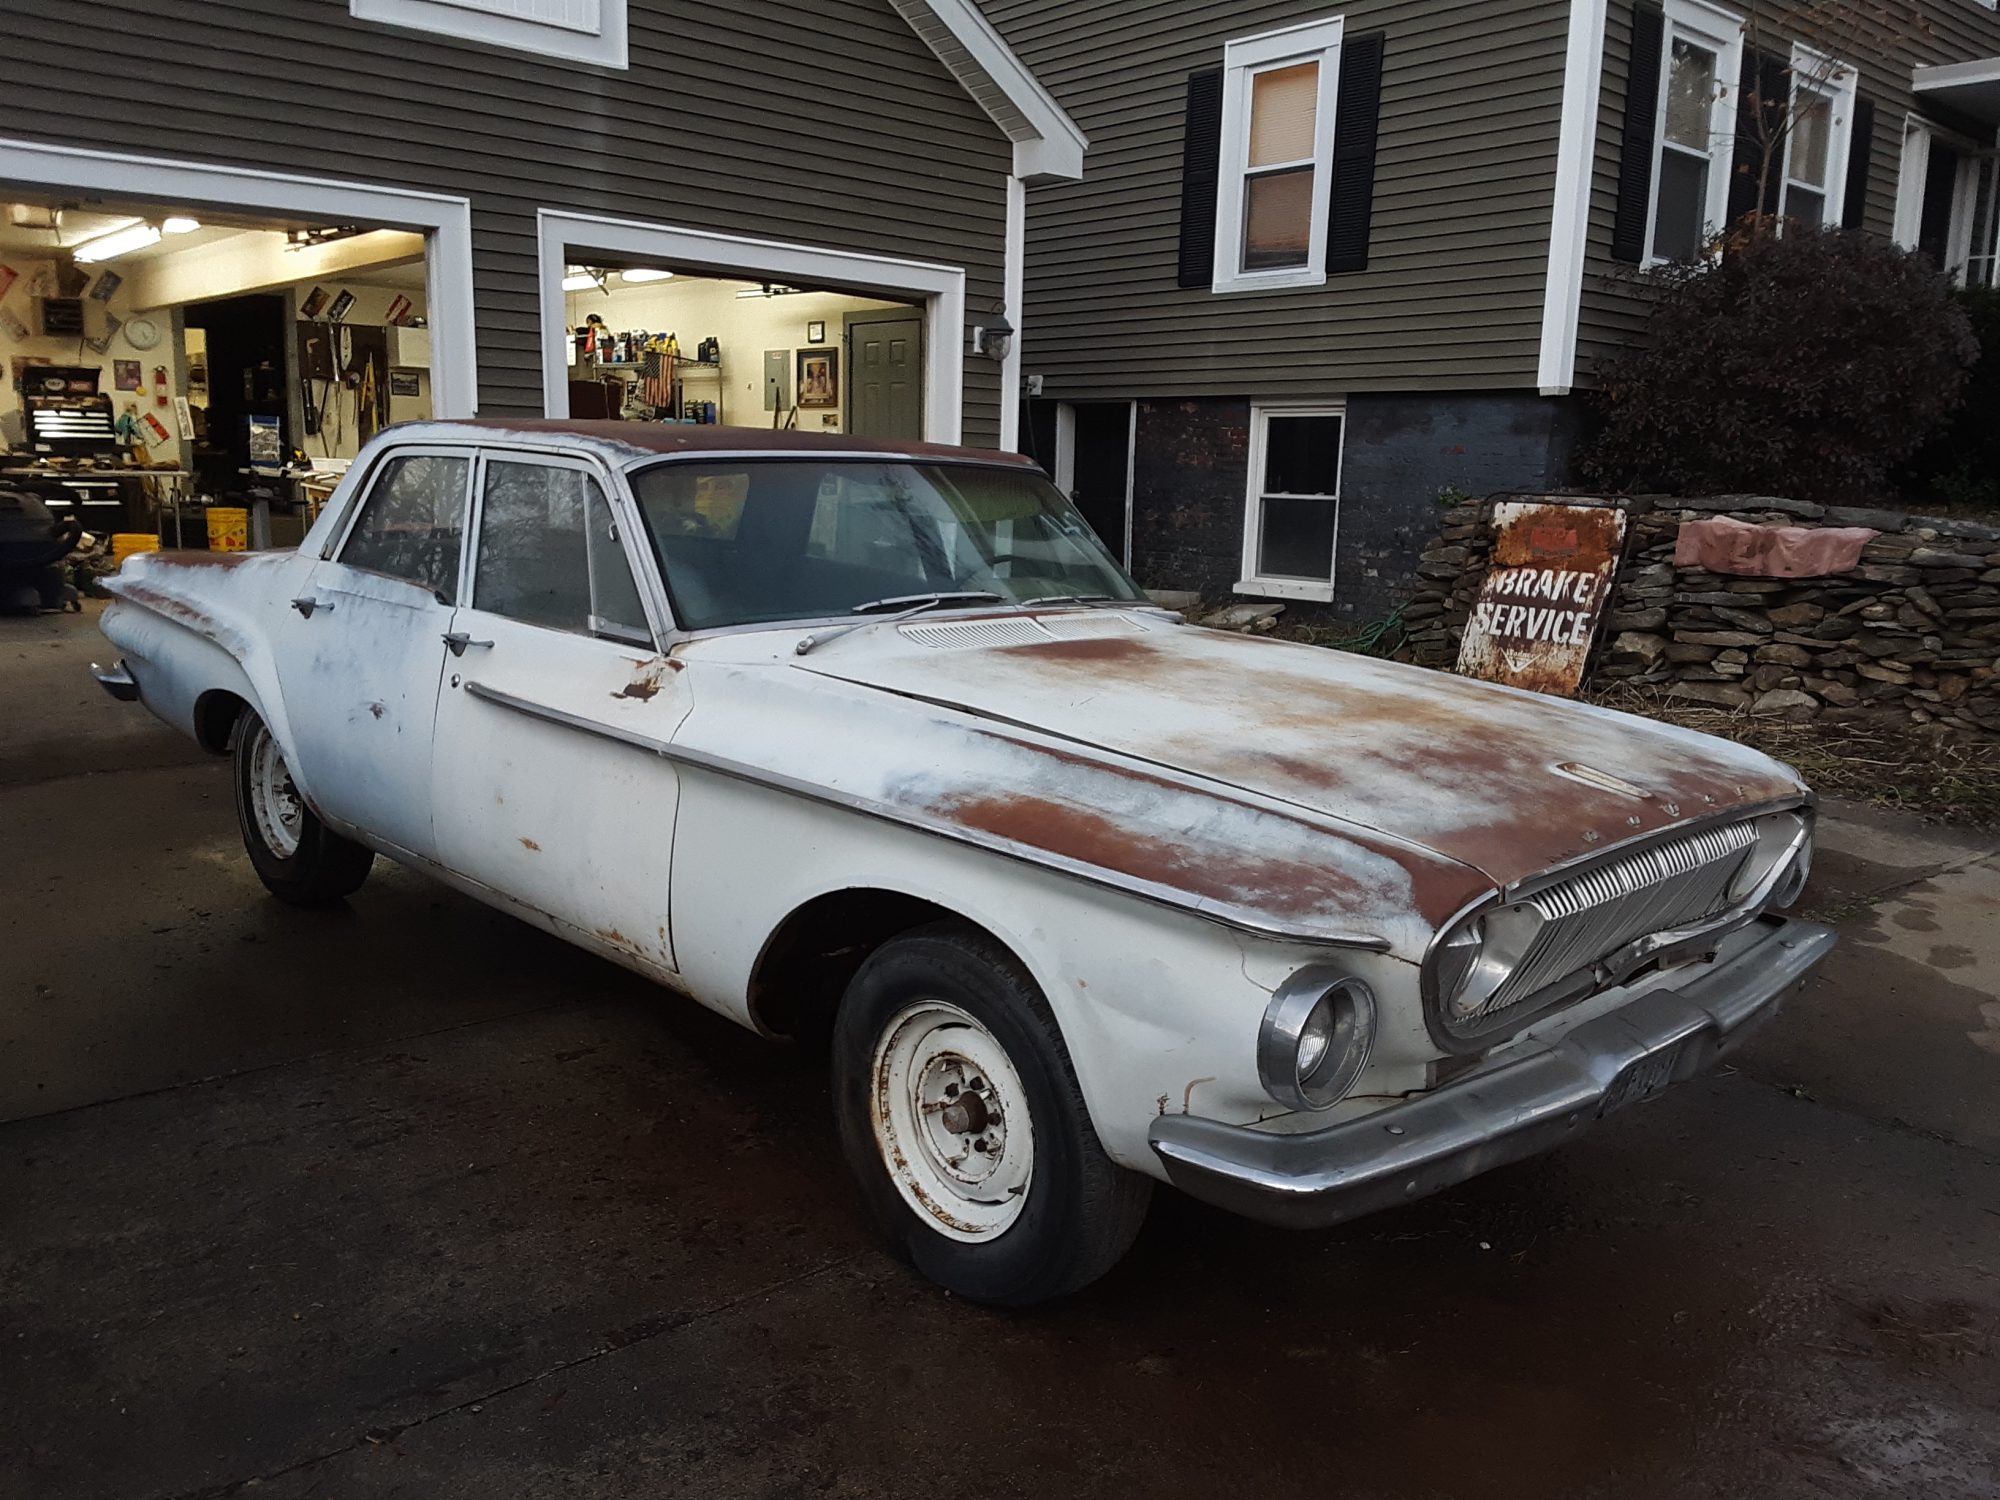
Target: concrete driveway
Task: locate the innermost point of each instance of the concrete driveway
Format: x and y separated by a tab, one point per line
408	1199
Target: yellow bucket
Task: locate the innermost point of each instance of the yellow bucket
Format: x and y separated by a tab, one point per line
125	543
228	528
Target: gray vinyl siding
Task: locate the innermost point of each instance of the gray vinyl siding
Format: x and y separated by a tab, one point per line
1614	303
821	122
1464	183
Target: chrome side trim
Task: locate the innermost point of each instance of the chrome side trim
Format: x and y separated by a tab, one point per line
1241	919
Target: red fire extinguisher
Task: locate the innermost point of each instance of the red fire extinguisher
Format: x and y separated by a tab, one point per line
159	385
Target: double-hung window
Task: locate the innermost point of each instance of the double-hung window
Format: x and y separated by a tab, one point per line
1276	166
1292	512
586	31
1696	139
1819	129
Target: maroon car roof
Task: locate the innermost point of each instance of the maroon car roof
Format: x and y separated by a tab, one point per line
668	438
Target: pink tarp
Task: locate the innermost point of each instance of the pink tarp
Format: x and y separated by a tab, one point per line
1725	546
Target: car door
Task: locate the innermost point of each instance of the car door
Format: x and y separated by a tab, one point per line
364	648
545	785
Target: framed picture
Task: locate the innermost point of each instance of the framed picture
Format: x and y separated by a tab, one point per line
819	377
314	305
342	305
815	333
126	374
405	383
106	286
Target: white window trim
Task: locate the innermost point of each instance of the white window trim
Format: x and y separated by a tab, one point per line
1312	41
939	290
1840	82
1721	32
605	47
1252	582
1918	133
445	222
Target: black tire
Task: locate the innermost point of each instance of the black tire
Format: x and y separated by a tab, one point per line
325	868
1081	1211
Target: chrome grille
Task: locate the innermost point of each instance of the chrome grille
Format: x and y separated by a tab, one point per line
1590	916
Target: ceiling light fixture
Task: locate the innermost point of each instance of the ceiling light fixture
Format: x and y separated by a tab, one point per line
645	273
134	236
769	289
179	224
580	280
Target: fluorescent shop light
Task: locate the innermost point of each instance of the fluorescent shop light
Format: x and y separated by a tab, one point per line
134	236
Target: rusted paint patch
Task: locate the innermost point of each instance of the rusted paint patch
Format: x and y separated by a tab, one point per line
1547	588
1102	649
531	846
375	710
190	557
170	605
1231	877
645	683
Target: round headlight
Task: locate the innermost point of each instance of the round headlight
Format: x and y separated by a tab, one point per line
1316	1037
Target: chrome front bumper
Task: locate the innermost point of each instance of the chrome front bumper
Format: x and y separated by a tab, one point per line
116	681
1518	1109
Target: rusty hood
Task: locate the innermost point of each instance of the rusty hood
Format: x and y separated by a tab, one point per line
1502	781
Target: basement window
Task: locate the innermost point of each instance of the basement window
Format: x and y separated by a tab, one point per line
1292	511
584	31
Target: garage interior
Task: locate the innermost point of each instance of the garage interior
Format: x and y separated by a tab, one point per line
653	342
189	377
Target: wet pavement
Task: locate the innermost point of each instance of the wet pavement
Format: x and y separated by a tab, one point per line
408	1199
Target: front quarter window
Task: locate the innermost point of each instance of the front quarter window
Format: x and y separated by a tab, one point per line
754	541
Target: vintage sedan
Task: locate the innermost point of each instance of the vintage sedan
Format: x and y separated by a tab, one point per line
875	745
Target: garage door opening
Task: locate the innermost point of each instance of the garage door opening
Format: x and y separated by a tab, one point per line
170	363
649	343
654	323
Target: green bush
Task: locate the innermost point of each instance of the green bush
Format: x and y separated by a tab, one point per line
1960	465
1807	365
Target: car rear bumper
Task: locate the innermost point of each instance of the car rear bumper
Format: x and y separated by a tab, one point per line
116	681
1523	1107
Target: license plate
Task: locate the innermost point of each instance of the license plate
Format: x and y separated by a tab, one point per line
1640	1080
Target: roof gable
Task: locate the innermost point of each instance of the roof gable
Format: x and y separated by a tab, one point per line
1047	145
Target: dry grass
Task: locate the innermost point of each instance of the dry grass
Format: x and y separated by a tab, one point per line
1882	762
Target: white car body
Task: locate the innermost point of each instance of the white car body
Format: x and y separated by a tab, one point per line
1166	825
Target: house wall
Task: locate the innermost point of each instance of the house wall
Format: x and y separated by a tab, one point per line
829	124
1465	178
1401	452
1614	302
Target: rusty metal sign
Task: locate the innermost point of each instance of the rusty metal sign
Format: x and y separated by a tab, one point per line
1544	594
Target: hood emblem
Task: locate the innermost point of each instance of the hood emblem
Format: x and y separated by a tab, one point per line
1604	781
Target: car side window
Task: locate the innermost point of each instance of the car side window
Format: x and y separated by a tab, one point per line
412	524
548	553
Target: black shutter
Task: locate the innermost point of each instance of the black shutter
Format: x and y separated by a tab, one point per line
1859	144
1767	87
1642	113
1351	203
1201	156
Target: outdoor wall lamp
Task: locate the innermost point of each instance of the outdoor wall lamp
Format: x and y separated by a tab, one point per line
993	339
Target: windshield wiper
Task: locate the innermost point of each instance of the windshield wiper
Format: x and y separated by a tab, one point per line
1072	599
914	604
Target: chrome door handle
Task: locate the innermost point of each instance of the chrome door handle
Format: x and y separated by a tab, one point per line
458	640
307	605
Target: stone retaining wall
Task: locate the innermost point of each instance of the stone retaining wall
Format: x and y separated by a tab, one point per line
1914	631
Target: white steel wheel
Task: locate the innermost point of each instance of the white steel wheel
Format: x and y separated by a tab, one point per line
274	801
950	1117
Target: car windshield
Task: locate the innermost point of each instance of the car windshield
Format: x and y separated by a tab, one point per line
748	541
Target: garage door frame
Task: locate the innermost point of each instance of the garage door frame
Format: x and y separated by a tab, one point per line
443	220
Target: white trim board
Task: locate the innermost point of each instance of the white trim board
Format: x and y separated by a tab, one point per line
1048	147
939	289
601	44
445	222
1569	223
